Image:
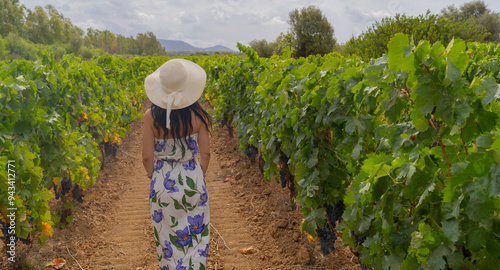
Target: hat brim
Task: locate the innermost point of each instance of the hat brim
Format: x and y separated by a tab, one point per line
192	89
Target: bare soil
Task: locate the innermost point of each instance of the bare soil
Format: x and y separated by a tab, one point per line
112	228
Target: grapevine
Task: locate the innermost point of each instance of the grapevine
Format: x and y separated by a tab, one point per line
54	117
409	142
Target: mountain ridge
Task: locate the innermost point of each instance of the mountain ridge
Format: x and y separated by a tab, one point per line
178	46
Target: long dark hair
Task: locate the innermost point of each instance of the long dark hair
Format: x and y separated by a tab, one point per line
178	118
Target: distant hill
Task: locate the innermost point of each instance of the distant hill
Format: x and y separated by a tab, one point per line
181	46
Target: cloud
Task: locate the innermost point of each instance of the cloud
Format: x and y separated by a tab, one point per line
187	18
221	12
145	16
276	21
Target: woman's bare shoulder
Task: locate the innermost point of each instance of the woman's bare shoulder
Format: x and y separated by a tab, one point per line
148	117
197	123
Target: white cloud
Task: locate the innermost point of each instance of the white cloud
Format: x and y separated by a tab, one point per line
186	18
276	20
145	16
222	12
91	23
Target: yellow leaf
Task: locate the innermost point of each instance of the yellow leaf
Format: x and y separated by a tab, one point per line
47	229
311	238
55	180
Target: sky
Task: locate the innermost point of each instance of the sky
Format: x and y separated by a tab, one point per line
206	23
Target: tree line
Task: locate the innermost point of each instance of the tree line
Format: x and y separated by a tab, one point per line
25	33
311	33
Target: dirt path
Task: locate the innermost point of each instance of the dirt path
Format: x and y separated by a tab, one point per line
112	229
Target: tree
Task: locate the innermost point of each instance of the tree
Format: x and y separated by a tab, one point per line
148	44
262	47
11	17
431	27
283	41
311	31
108	41
38	26
476	12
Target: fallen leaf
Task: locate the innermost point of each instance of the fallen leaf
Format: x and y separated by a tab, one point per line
57	263
247	250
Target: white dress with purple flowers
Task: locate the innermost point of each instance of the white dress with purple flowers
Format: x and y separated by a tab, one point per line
179	205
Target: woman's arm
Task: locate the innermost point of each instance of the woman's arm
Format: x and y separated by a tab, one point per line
204	147
148	145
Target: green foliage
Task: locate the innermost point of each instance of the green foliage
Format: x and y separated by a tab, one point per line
283	42
19	48
312	33
11	17
54	115
373	42
262	47
53	32
476	12
409	142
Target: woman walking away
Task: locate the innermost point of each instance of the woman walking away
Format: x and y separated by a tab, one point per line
175	131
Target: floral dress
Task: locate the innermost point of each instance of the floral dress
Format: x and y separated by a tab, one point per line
179	205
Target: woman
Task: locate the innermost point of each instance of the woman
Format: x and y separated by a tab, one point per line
175	131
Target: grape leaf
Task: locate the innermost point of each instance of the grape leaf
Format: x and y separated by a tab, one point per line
397	59
491	88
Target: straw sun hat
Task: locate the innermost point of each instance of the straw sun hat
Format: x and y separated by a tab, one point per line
176	84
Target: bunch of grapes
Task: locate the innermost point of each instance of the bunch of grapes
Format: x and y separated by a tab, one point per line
223	122
327	237
334	212
111	148
251	152
358	239
5	232
77	193
66	185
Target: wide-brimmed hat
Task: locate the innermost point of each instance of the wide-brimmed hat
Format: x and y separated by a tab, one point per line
176	84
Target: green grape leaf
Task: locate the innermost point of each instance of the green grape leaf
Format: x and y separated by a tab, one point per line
427	98
393	261
451	229
456	54
398	48
436	257
452	73
489	86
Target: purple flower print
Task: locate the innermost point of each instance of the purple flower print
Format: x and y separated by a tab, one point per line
169	184
203	253
152	188
158	215
192	145
196	225
159	146
167	251
190	166
159	165
203	197
164	268
179	265
184	239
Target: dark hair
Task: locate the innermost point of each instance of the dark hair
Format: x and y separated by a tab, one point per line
178	118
